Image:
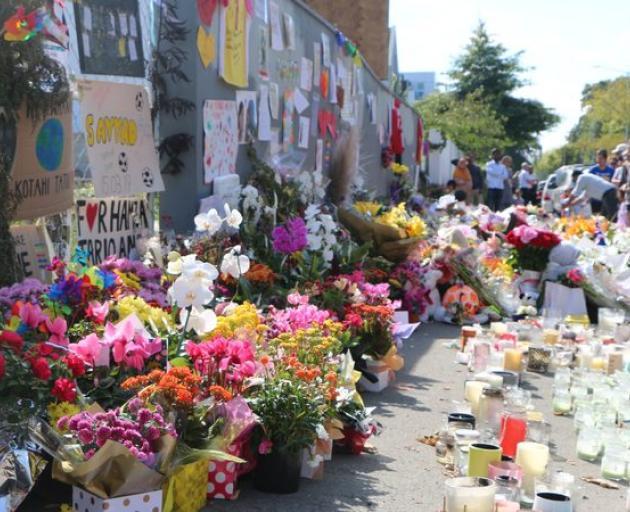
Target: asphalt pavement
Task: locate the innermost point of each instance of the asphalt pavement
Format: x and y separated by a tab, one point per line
403	475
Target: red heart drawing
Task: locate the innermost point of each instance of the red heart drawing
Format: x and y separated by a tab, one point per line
90	214
206	9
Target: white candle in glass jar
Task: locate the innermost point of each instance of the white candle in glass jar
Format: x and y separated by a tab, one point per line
472	393
469	494
533	459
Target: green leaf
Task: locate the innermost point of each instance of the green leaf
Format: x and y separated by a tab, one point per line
179	362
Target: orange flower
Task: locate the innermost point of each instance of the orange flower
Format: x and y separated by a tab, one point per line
220	393
260	273
331	377
264	360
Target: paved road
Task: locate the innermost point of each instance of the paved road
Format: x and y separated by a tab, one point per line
404	475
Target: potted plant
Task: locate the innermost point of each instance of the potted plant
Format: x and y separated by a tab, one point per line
289	414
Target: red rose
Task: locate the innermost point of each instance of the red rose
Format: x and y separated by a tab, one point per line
12	339
64	390
2	366
75	365
546	240
514	239
40	368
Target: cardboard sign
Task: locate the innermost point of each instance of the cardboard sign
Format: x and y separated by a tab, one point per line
112	226
116	123
34	250
42	177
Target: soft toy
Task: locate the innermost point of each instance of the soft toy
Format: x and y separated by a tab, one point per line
434	310
461	298
562	258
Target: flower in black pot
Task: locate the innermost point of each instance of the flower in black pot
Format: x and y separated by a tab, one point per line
289	413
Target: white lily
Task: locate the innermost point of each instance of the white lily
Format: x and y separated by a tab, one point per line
177	262
201	320
187	292
199	270
233	218
210	222
234	263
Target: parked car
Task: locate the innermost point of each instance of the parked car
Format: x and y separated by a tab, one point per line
557	184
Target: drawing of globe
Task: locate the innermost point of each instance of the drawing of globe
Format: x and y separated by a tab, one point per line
49	144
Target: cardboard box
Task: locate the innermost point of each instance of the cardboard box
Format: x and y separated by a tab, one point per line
83	501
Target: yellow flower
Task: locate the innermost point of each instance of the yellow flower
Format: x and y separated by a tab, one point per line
65	508
367	207
242	320
399	169
129	280
408	226
148	314
58	411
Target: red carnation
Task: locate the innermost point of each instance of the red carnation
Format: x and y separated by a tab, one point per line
2	366
41	368
75	364
12	339
64	390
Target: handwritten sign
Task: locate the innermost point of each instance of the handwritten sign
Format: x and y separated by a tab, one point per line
220	138
116	123
42	177
34	250
234	43
111	227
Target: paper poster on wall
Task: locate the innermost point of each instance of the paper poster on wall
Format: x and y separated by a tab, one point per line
42	174
116	124
326	50
289	31
274	100
263	53
206	46
314	115
317	63
103	46
306	74
371	101
247	116
264	115
333	86
304	132
234	42
111	226
275	145
277	41
34	250
220	138
319	156
260	8
288	135
300	101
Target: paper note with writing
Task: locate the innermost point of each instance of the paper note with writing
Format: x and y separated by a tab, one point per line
246	116
263	53
274	100
34	250
42	172
234	42
133	30
319	155
264	115
300	101
111	226
288	135
116	124
87	17
124	23
317	63
289	31
306	74
260	8
277	41
275	146
326	50
314	115
220	138
304	132
333	86
133	51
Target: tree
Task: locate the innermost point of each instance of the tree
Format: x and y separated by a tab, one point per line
487	69
470	122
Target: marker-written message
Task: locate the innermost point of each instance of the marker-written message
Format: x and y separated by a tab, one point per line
111	227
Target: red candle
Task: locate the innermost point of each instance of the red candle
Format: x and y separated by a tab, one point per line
513	431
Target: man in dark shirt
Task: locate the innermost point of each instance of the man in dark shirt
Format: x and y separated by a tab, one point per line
477	179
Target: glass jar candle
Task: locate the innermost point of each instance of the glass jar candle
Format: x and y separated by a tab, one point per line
504	468
589	444
470	494
533	459
614	463
508	488
512	359
472	393
480	355
539	359
490	408
513	431
562	402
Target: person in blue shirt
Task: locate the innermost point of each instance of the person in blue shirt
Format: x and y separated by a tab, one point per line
602	169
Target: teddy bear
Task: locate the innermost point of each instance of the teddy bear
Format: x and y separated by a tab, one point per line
434	310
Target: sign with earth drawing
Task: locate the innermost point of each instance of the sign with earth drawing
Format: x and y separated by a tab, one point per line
116	124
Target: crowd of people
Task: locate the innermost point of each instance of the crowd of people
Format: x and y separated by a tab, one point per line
605	186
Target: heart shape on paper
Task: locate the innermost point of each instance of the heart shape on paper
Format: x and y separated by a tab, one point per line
206	46
90	214
206	9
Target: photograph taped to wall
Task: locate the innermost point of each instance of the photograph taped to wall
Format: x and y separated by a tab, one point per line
103	48
247	116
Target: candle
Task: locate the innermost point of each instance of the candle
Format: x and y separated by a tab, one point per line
513	431
615	362
498	328
467	494
562	402
472	393
598	364
479	456
467	334
512	359
614	464
550	336
533	459
495	380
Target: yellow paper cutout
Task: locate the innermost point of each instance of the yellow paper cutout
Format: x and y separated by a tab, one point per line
122	47
234	43
206	46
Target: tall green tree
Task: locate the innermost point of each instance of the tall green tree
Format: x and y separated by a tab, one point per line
486	68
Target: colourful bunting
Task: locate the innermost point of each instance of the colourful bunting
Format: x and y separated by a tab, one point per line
22	27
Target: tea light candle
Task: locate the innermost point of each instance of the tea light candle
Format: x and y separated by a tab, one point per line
467	494
472	393
512	359
533	459
598	364
550	336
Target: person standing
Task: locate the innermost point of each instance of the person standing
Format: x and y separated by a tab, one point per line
463	179
507	198
527	184
496	174
602	169
590	186
477	179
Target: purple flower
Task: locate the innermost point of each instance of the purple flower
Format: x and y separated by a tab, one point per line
103	432
63	422
153	433
144	416
290	237
85	436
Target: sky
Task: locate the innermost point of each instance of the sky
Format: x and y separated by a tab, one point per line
568	43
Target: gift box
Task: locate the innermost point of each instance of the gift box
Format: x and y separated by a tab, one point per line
223	477
185	489
85	501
